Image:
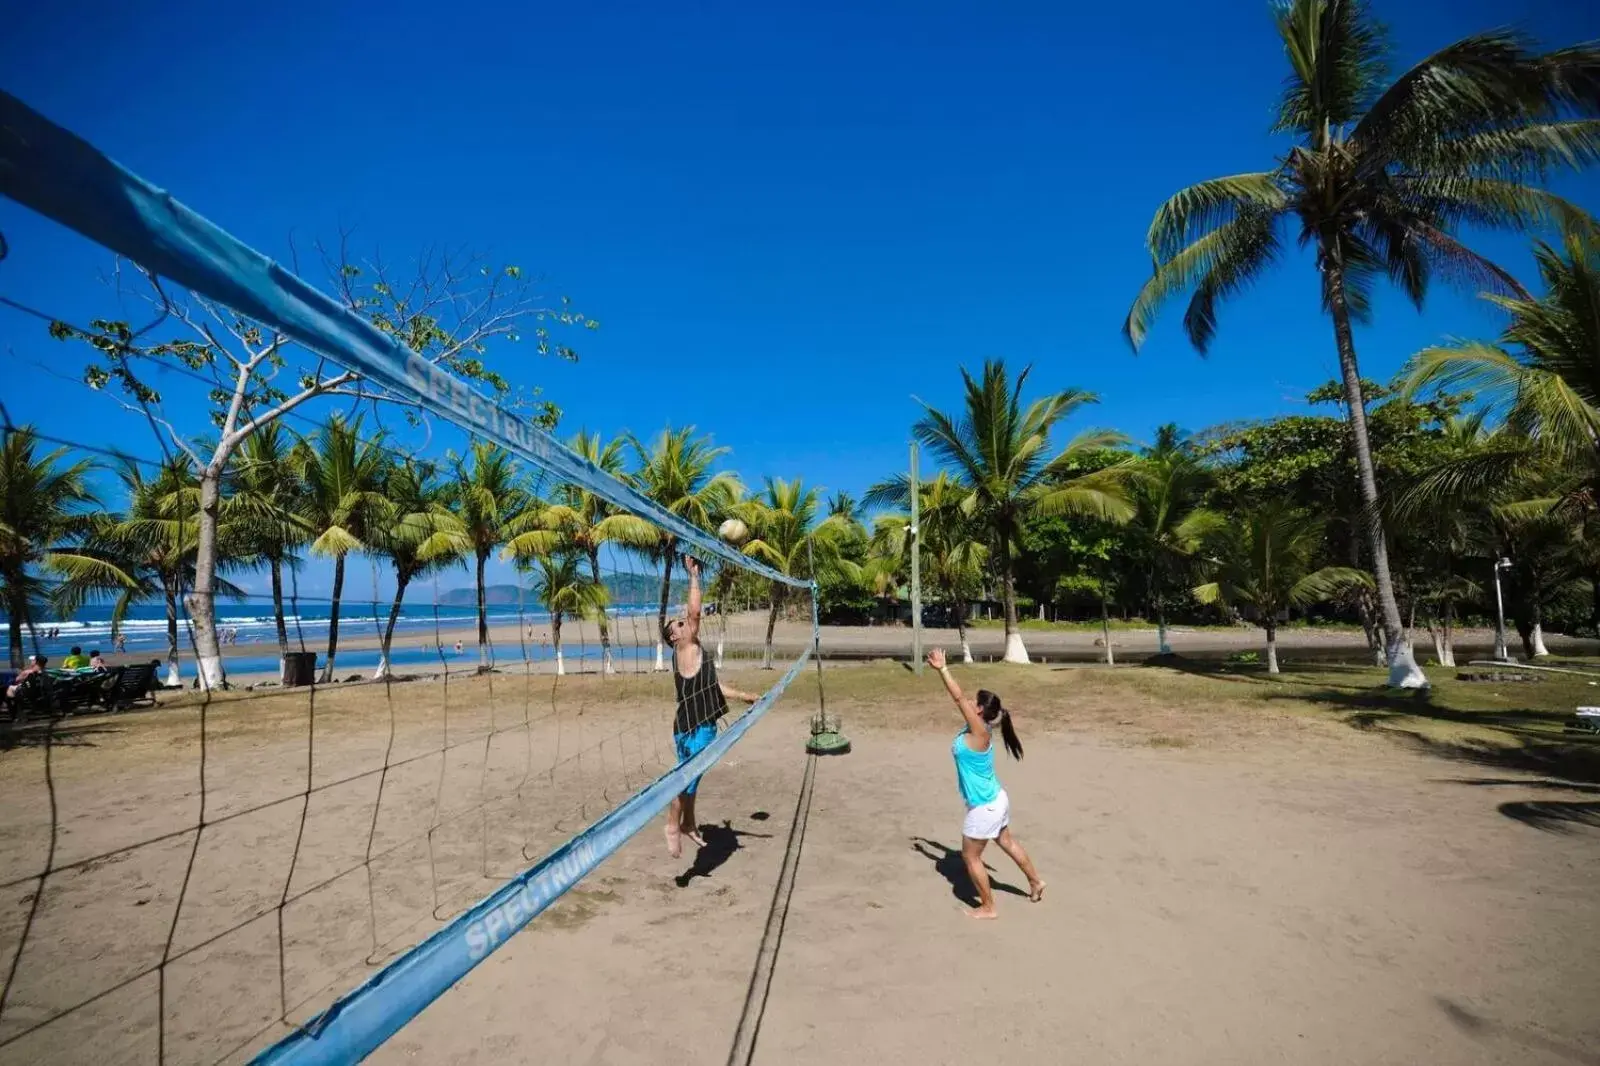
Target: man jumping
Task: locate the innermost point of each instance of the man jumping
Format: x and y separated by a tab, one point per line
702	700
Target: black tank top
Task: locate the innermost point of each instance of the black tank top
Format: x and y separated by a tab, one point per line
700	698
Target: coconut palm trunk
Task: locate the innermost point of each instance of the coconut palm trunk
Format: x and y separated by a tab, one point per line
1272	646
555	641
661	613
960	607
276	568
485	660
772	624
606	665
15	610
170	596
1015	651
1105	626
384	666
1403	671
333	618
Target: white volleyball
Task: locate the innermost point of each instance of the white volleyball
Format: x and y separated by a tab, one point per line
734	531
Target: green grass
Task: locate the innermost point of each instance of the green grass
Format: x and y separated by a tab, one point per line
1182	702
1092	625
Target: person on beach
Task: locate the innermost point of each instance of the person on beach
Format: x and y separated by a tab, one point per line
75	659
988	807
702	701
36	664
96	661
122	643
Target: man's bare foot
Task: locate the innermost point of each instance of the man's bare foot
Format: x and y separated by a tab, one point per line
674	840
693	834
1036	891
987	914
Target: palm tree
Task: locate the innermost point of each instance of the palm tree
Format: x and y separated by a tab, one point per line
786	535
1543	380
998	451
493	505
565	592
1262	561
952	553
584	522
263	507
417	533
675	471
342	505
47	509
1379	180
1167	489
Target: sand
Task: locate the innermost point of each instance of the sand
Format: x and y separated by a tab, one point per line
1226	885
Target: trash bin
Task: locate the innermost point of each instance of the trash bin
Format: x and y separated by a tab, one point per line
299	668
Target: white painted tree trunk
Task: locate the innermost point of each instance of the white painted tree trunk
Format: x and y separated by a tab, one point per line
661	662
1272	651
561	664
719	651
1539	650
377	675
1162	647
1016	652
173	678
966	650
1404	672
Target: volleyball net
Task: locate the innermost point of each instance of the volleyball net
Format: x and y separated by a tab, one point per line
294	872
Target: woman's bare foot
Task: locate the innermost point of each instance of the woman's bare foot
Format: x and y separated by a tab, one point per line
1036	891
988	914
674	840
693	834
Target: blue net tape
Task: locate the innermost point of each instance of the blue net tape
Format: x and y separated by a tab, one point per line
64	178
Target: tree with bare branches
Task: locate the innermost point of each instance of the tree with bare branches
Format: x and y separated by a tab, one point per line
449	307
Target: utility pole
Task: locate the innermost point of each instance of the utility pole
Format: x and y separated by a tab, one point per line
916	565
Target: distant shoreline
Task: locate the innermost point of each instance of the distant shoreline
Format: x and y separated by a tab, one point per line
633	642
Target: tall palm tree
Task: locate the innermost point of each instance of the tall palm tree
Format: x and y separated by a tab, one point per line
566	593
417	533
584	522
263	506
47	509
343	503
1167	489
1378	181
999	452
1264	560
493	505
951	548
787	535
676	471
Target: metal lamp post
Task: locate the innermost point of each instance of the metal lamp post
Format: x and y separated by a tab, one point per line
1500	611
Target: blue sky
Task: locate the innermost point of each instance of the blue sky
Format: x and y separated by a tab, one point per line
788	220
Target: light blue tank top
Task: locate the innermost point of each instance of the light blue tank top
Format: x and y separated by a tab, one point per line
975	772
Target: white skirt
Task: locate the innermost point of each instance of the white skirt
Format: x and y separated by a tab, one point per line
986	821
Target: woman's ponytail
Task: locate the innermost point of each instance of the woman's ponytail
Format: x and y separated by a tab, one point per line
990	707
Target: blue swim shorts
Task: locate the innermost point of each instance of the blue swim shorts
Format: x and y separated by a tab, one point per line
691	744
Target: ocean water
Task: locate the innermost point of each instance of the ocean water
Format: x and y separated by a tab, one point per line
414	644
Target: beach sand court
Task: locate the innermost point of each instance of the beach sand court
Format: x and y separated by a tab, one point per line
1226	884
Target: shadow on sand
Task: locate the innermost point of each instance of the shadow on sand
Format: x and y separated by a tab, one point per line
721	842
947	862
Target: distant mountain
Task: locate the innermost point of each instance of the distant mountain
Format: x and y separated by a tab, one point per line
624	588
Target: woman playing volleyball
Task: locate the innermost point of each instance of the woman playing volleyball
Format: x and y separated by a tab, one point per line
988	806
